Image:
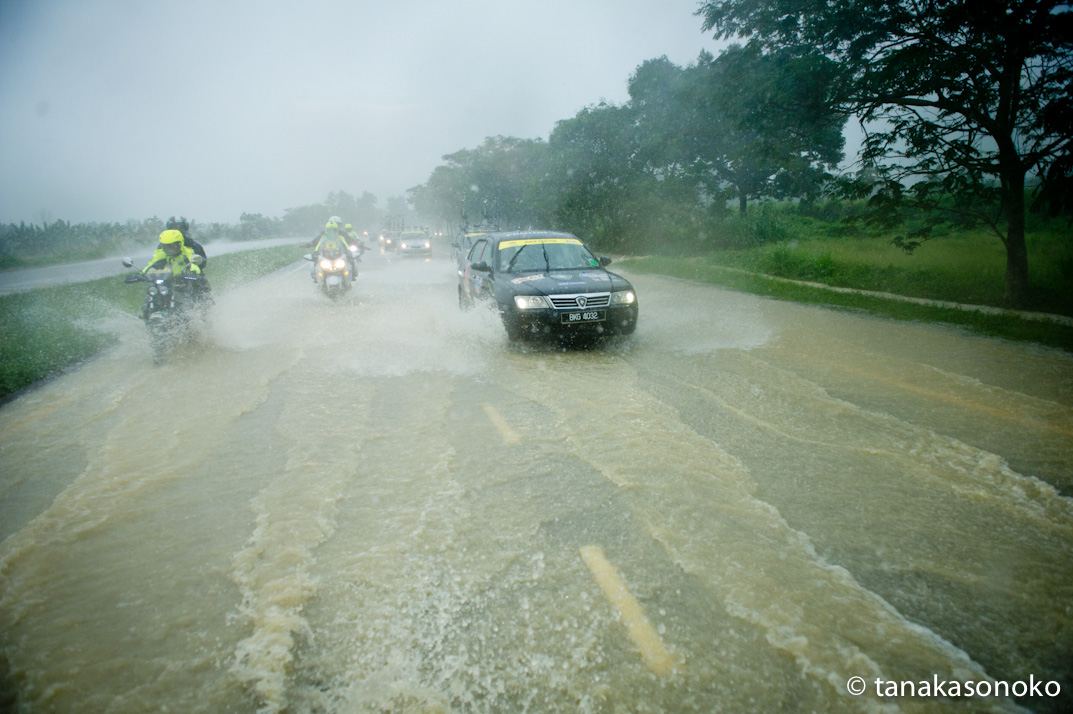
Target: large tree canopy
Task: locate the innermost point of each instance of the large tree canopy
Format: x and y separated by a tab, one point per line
759	125
969	97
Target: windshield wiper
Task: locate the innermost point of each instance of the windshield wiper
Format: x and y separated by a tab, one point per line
514	258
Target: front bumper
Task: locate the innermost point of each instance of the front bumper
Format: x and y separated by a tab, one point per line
611	320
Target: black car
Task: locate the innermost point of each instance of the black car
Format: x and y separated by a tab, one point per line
547	283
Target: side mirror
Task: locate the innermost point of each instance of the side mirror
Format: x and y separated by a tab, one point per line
308	256
198	260
481	266
605	261
128	263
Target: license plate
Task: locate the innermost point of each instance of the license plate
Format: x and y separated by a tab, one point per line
572	318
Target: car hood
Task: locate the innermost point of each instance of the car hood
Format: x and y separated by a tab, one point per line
566	282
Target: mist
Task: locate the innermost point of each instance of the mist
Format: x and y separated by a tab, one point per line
113	110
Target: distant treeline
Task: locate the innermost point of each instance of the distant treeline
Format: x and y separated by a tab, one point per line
763	121
26	245
692	147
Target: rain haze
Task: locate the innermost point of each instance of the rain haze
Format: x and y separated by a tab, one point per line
116	109
514	478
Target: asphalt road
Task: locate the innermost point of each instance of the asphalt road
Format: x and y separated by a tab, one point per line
381	504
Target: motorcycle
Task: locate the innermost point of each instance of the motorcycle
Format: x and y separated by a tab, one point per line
332	270
173	309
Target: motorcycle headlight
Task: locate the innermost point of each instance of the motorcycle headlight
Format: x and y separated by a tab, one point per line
339	263
531	302
152	290
325	264
163	289
623	297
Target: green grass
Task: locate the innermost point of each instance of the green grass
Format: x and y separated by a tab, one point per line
708	270
969	270
959	265
47	330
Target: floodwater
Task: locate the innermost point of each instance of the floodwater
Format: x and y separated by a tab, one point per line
381	505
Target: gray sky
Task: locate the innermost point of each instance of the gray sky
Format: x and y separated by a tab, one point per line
117	109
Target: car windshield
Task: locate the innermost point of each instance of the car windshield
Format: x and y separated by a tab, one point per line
527	256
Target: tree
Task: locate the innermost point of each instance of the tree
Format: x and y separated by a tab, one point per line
969	96
591	167
781	133
758	123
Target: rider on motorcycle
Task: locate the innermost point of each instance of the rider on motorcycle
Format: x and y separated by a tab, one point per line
183	226
173	254
331	233
354	239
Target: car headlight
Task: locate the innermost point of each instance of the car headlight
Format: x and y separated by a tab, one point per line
427	244
623	297
531	302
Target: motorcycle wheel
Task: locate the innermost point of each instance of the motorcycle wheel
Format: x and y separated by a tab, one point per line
158	342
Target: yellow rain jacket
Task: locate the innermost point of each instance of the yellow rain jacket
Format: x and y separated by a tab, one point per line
178	264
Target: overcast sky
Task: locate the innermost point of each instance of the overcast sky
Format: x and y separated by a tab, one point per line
117	109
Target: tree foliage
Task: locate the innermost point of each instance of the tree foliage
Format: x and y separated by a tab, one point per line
651	172
757	125
26	244
963	99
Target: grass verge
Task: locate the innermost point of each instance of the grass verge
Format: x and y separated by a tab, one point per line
47	330
1006	325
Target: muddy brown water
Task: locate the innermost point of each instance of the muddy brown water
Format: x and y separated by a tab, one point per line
381	505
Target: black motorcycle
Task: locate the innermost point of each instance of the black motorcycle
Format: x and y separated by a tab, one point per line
174	307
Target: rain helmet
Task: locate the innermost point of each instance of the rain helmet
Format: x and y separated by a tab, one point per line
331	227
336	220
179	224
171	242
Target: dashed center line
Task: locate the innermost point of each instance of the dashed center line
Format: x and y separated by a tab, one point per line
641	632
509	435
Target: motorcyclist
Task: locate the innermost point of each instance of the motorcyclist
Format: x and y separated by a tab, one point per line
173	254
183	226
331	233
354	239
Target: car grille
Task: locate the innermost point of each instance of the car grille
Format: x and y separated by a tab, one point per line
576	302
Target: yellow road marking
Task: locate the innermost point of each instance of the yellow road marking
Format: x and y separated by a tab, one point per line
640	630
509	435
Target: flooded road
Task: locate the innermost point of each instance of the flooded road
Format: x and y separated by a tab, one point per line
381	505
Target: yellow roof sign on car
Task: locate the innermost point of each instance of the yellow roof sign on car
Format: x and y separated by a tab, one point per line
537	241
